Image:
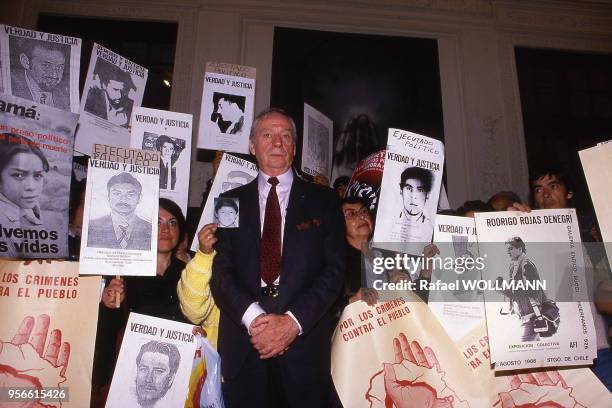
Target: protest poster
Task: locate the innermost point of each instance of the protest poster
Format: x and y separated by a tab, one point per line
119	235
226	114
114	86
536	298
43	347
169	133
396	354
232	172
154	364
461	308
36	144
317	143
557	387
41	67
409	191
598	173
365	180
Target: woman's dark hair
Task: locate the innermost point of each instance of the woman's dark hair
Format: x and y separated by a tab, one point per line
12	144
176	211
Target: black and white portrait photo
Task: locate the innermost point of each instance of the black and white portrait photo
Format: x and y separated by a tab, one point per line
110	97
40	71
228	112
122	228
414	188
526	304
170	149
226	212
156	366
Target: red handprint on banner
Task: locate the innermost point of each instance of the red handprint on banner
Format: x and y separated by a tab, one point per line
539	389
24	362
414	380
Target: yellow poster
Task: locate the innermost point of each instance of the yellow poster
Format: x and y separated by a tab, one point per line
397	354
47	335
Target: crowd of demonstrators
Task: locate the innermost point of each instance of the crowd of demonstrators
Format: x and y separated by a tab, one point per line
269	292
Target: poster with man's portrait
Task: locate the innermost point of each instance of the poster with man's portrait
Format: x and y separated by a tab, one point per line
168	133
233	172
113	88
227	107
409	191
317	143
154	364
41	67
120	218
42	345
536	298
36	165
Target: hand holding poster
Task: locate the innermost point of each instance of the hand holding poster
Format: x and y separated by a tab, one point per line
538	313
154	364
227	107
113	87
317	143
121	205
233	172
40	67
409	192
169	133
36	164
42	345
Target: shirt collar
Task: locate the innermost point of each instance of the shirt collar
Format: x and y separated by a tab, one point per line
118	220
284	181
36	91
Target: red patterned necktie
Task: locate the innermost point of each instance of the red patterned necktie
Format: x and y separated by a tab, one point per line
270	257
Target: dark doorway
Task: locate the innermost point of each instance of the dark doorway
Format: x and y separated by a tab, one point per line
566	99
150	44
359	81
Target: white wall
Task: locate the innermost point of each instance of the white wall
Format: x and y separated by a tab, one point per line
476	39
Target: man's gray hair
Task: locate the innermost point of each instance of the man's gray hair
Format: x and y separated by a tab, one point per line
271	111
168	349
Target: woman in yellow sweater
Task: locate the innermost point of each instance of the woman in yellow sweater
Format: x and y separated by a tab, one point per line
197	303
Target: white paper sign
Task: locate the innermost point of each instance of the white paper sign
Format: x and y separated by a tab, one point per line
40	67
154	364
169	133
227	107
113	87
317	144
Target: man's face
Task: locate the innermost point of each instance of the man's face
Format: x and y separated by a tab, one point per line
153	377
226	216
273	144
123	198
513	252
46	67
115	92
550	193
414	196
167	150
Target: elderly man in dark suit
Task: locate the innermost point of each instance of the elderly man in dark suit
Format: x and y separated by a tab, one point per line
276	277
122	228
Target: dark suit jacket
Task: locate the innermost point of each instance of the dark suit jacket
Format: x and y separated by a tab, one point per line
96	104
101	234
19	87
163	176
311	279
